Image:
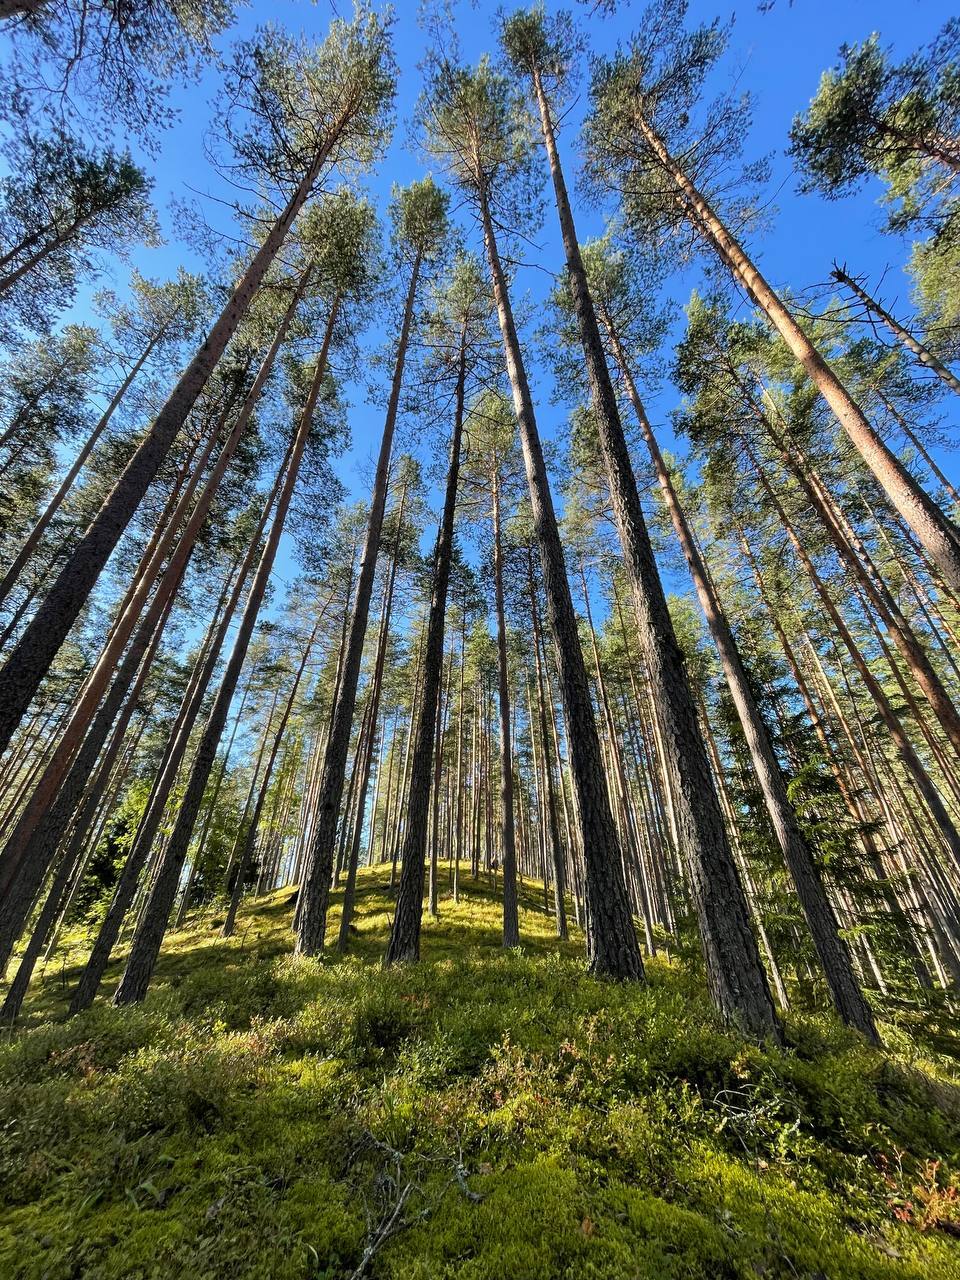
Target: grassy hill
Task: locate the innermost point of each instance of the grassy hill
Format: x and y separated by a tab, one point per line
484	1116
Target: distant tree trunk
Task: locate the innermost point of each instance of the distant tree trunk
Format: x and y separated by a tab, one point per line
511	920
242	825
556	851
404	944
84	713
435	834
906	339
614	951
149	934
855	556
905	747
66	484
376	686
211	808
125	890
936	533
913	439
315	890
246	854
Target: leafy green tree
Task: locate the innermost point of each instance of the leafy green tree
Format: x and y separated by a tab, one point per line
60	205
900	122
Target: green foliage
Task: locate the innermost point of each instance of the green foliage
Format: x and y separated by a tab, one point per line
262	1115
60	205
898	122
935	268
419	215
293	105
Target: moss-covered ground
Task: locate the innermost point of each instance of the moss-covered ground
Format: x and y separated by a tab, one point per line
482	1115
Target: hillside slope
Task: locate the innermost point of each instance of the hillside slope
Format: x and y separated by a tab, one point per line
482	1116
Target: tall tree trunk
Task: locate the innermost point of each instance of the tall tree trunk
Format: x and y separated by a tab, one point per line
914	440
905	748
817	909
210	811
556	849
376	687
937	534
404	943
511	920
32	540
735	971
855	556
613	948
246	854
45	794
125	890
315	890
31	657
149	934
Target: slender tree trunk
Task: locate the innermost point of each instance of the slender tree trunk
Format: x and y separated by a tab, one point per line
211	808
136	859
613	948
243	862
511	920
906	339
33	653
315	890
149	934
404	943
556	853
84	713
855	556
913	439
905	748
817	909
937	534
376	687
735	971
66	484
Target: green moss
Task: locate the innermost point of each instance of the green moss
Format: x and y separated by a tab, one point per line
262	1116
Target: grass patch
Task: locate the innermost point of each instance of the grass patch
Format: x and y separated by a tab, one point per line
482	1115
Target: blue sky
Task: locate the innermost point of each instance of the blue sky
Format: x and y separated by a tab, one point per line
778	56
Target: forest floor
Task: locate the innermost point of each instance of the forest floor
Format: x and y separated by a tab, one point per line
481	1115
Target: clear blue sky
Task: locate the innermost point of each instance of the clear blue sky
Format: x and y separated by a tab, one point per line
778	56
